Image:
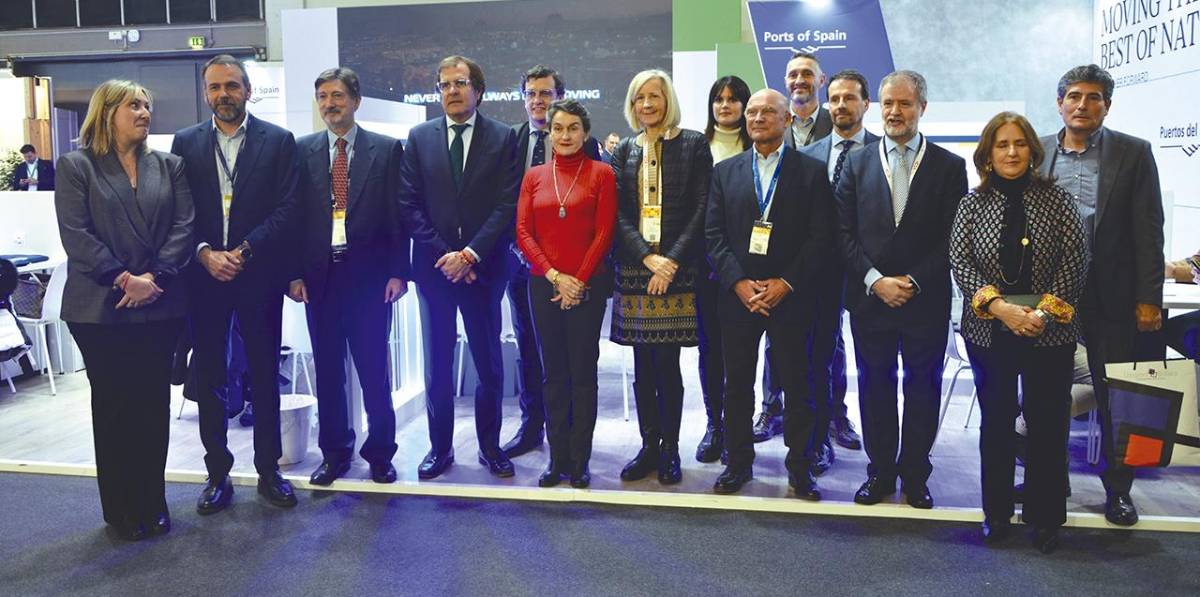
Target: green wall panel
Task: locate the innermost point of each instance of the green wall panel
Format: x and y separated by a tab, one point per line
698	25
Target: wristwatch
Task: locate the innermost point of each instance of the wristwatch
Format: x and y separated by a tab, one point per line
1045	317
245	251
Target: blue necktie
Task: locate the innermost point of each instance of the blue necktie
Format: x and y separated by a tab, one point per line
539	149
456	153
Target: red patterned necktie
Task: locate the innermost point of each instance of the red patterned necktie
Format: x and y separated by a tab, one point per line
341	175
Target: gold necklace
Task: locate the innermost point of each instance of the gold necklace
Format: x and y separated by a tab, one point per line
562	199
1021	263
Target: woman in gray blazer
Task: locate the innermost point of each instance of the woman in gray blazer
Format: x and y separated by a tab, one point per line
125	217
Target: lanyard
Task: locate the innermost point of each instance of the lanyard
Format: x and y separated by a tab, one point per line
764	200
912	172
230	176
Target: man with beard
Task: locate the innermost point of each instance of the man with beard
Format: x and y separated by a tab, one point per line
354	265
803	80
848	102
896	204
243	174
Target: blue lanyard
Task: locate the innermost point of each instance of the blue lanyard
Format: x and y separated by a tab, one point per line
764	202
230	176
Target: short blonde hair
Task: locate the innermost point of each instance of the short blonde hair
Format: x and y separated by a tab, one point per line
671	118
97	132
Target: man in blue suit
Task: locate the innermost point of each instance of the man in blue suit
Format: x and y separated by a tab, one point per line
242	172
32	174
354	265
896	202
459	181
769	231
848	101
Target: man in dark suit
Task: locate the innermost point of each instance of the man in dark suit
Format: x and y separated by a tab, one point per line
896	202
32	174
354	265
848	102
243	175
803	80
769	230
1114	180
458	205
541	86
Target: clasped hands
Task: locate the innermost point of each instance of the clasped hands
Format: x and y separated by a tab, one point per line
760	296
1021	320
568	290
222	265
139	290
663	270
894	291
456	268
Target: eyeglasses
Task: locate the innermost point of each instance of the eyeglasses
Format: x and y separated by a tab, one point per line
545	94
444	86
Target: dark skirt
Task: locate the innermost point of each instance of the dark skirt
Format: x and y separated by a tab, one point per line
639	318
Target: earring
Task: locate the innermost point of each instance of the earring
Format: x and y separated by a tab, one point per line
988	168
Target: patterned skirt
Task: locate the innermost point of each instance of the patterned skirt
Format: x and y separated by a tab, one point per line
639	318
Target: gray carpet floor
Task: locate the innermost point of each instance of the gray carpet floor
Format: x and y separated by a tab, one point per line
52	542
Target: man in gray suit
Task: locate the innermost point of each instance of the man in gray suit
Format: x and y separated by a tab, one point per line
1114	180
849	99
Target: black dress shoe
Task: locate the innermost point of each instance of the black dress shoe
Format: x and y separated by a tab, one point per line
918	497
713	443
1045	540
383	473
822	460
160	524
1119	510
643	464
498	464
434	464
277	490
874	490
581	477
131	531
844	434
329	472
805	486
995	531
215	496
732	480
550	477
767	426
524	442
669	472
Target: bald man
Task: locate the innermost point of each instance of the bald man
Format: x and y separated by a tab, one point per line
769	227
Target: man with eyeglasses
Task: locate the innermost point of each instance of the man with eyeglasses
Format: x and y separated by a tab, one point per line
541	86
458	192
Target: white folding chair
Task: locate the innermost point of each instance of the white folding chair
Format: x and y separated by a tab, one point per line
956	355
296	341
51	315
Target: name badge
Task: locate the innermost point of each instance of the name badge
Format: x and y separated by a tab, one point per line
760	237
226	204
652	223
339	228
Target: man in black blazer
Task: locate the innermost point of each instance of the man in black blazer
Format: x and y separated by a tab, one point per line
540	86
32	174
768	230
896	202
243	174
458	192
803	80
1114	180
849	99
354	265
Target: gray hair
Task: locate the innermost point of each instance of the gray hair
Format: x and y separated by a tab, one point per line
1089	73
913	78
572	107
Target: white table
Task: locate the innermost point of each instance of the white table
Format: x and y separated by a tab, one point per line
1181	296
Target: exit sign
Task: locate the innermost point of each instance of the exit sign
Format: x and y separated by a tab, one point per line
197	42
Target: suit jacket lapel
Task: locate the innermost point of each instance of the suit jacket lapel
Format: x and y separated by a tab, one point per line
523	143
248	156
1110	164
114	177
360	169
149	192
479	140
318	171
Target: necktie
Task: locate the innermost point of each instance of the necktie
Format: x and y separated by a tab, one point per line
841	161
340	175
900	182
539	150
456	153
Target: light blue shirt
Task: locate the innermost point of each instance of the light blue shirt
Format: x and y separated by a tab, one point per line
1078	173
349	137
857	141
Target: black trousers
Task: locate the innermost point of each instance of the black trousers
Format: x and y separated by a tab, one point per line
129	370
260	319
1109	342
827	374
712	357
440	302
570	347
922	346
351	311
658	392
529	363
789	358
1046	375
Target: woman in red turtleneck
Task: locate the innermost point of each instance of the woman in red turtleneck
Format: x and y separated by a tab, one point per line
565	220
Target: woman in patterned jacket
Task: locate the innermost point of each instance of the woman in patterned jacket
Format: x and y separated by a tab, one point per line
1019	256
